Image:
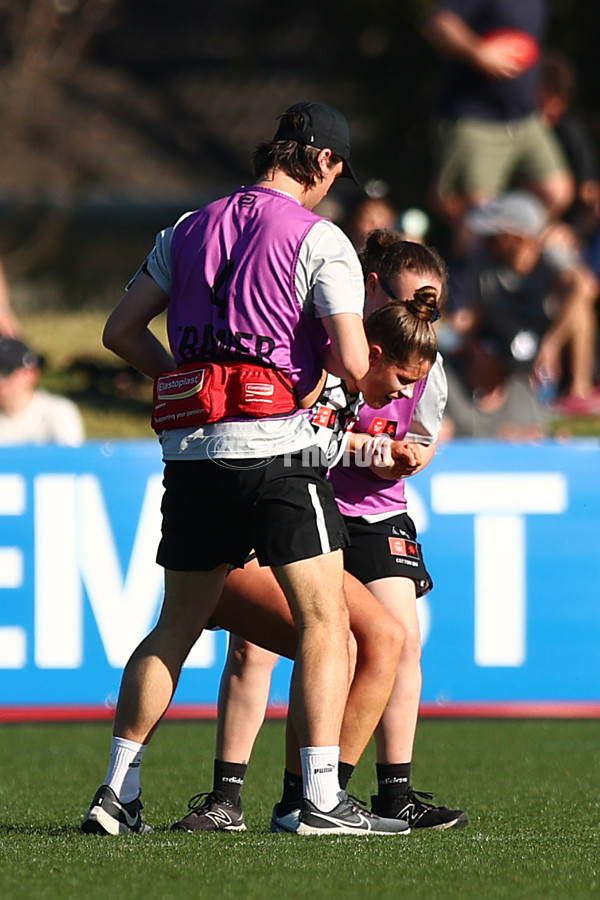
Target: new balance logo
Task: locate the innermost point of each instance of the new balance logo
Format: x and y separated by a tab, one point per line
219	817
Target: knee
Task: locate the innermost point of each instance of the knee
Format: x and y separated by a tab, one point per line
557	192
245	656
331	617
411	650
383	639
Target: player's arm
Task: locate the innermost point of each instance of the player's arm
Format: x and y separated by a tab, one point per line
329	278
405	459
402	459
309	400
348	353
390	459
127	334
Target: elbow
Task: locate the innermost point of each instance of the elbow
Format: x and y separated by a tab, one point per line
351	368
112	337
109	338
356	369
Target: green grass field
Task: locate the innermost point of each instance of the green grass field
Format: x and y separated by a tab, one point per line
530	788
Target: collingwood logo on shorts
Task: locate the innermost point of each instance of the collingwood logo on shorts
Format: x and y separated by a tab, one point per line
402	547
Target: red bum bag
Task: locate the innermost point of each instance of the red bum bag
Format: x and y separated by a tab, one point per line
198	393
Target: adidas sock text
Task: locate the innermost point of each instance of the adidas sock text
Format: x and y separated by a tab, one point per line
393	781
320	776
229	778
123	774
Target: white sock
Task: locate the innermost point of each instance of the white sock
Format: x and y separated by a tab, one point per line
123	774
320	776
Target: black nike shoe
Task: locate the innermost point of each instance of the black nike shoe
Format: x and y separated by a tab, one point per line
212	811
346	818
107	815
413	808
285	819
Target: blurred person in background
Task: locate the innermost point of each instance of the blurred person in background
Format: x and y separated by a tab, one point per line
494	400
372	214
537	302
490	132
29	415
9	326
557	93
369	214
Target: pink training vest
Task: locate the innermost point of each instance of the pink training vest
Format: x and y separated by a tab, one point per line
233	292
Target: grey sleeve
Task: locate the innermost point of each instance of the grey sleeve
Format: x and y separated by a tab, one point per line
158	263
427	418
329	277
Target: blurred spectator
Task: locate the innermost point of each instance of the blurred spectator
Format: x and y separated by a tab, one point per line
9	327
29	415
490	132
367	215
535	302
493	400
558	88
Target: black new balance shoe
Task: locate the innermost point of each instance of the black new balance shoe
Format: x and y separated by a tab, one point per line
346	818
420	814
212	811
107	815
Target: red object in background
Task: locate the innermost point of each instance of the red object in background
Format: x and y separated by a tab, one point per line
524	48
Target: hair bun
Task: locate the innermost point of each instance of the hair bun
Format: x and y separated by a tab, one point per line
424	304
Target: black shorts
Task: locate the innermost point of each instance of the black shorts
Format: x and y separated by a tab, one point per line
215	513
386	549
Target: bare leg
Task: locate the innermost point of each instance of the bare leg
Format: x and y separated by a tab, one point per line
253	605
243	698
396	732
320	681
152	673
557	191
379	640
583	348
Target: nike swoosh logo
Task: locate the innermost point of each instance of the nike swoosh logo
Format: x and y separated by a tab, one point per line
360	824
130	820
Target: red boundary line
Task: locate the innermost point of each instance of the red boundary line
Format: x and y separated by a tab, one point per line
498	710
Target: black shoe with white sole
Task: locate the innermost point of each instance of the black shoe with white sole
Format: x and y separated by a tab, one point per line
413	808
212	811
346	818
107	815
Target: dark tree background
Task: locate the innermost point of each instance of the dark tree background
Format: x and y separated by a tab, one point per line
127	111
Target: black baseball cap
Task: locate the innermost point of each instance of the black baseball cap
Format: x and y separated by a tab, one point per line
322	127
16	355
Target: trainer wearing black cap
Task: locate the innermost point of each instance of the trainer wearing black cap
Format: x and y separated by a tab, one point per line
318	125
256	277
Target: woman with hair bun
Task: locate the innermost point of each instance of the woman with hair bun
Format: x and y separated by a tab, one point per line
384	553
405	289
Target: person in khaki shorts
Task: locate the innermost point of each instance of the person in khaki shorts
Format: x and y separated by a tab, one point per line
490	135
